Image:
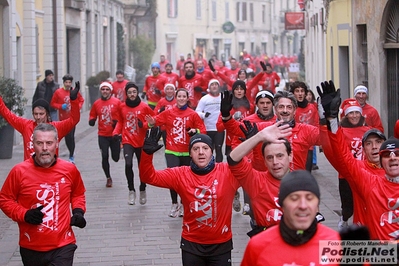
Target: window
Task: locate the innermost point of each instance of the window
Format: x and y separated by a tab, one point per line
244	11
214	10
251	12
263	14
172	8
227	11
198	6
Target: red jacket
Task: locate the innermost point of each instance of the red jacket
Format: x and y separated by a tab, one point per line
128	123
207	199
59	189
269	249
60	97
107	113
26	126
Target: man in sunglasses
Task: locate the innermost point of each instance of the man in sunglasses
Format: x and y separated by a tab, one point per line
379	192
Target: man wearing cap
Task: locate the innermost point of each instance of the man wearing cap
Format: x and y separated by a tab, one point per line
379	192
153	86
106	110
208	109
45	90
306	113
207	190
371	143
170	76
193	83
373	119
61	101
41	114
262	186
118	86
131	129
298	233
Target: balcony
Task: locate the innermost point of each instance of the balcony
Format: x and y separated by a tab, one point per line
137	8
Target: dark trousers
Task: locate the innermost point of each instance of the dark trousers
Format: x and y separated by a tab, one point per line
62	256
346	196
217	139
105	143
174	161
70	141
197	260
129	151
309	161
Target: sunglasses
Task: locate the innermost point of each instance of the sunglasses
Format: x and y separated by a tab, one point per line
388	154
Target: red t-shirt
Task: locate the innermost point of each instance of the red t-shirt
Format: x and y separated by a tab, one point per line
60	97
118	89
128	124
269	249
207	199
107	112
151	85
58	189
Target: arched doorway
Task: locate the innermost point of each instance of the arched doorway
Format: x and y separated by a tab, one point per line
391	46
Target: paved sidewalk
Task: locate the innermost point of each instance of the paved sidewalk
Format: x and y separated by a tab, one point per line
120	234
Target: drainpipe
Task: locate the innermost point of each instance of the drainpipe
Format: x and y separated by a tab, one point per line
55	37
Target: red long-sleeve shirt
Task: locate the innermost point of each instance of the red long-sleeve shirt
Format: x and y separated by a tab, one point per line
128	123
176	122
118	89
107	112
60	97
58	189
151	85
268	248
207	199
189	85
26	126
262	189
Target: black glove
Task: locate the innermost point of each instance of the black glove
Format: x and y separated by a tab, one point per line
161	109
226	103
143	95
158	92
151	140
330	99
198	89
263	65
211	66
73	93
117	138
207	114
139	123
92	122
190	133
77	218
34	216
250	130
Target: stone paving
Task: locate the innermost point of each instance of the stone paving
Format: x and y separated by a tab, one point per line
121	234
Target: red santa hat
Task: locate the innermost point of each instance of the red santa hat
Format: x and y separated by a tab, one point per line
350	105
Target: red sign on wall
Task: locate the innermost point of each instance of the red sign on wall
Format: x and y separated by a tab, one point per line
294	20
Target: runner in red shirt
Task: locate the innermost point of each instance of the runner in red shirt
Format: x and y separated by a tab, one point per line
39	195
270	79
170	76
193	83
118	86
373	119
153	86
131	127
106	110
180	65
